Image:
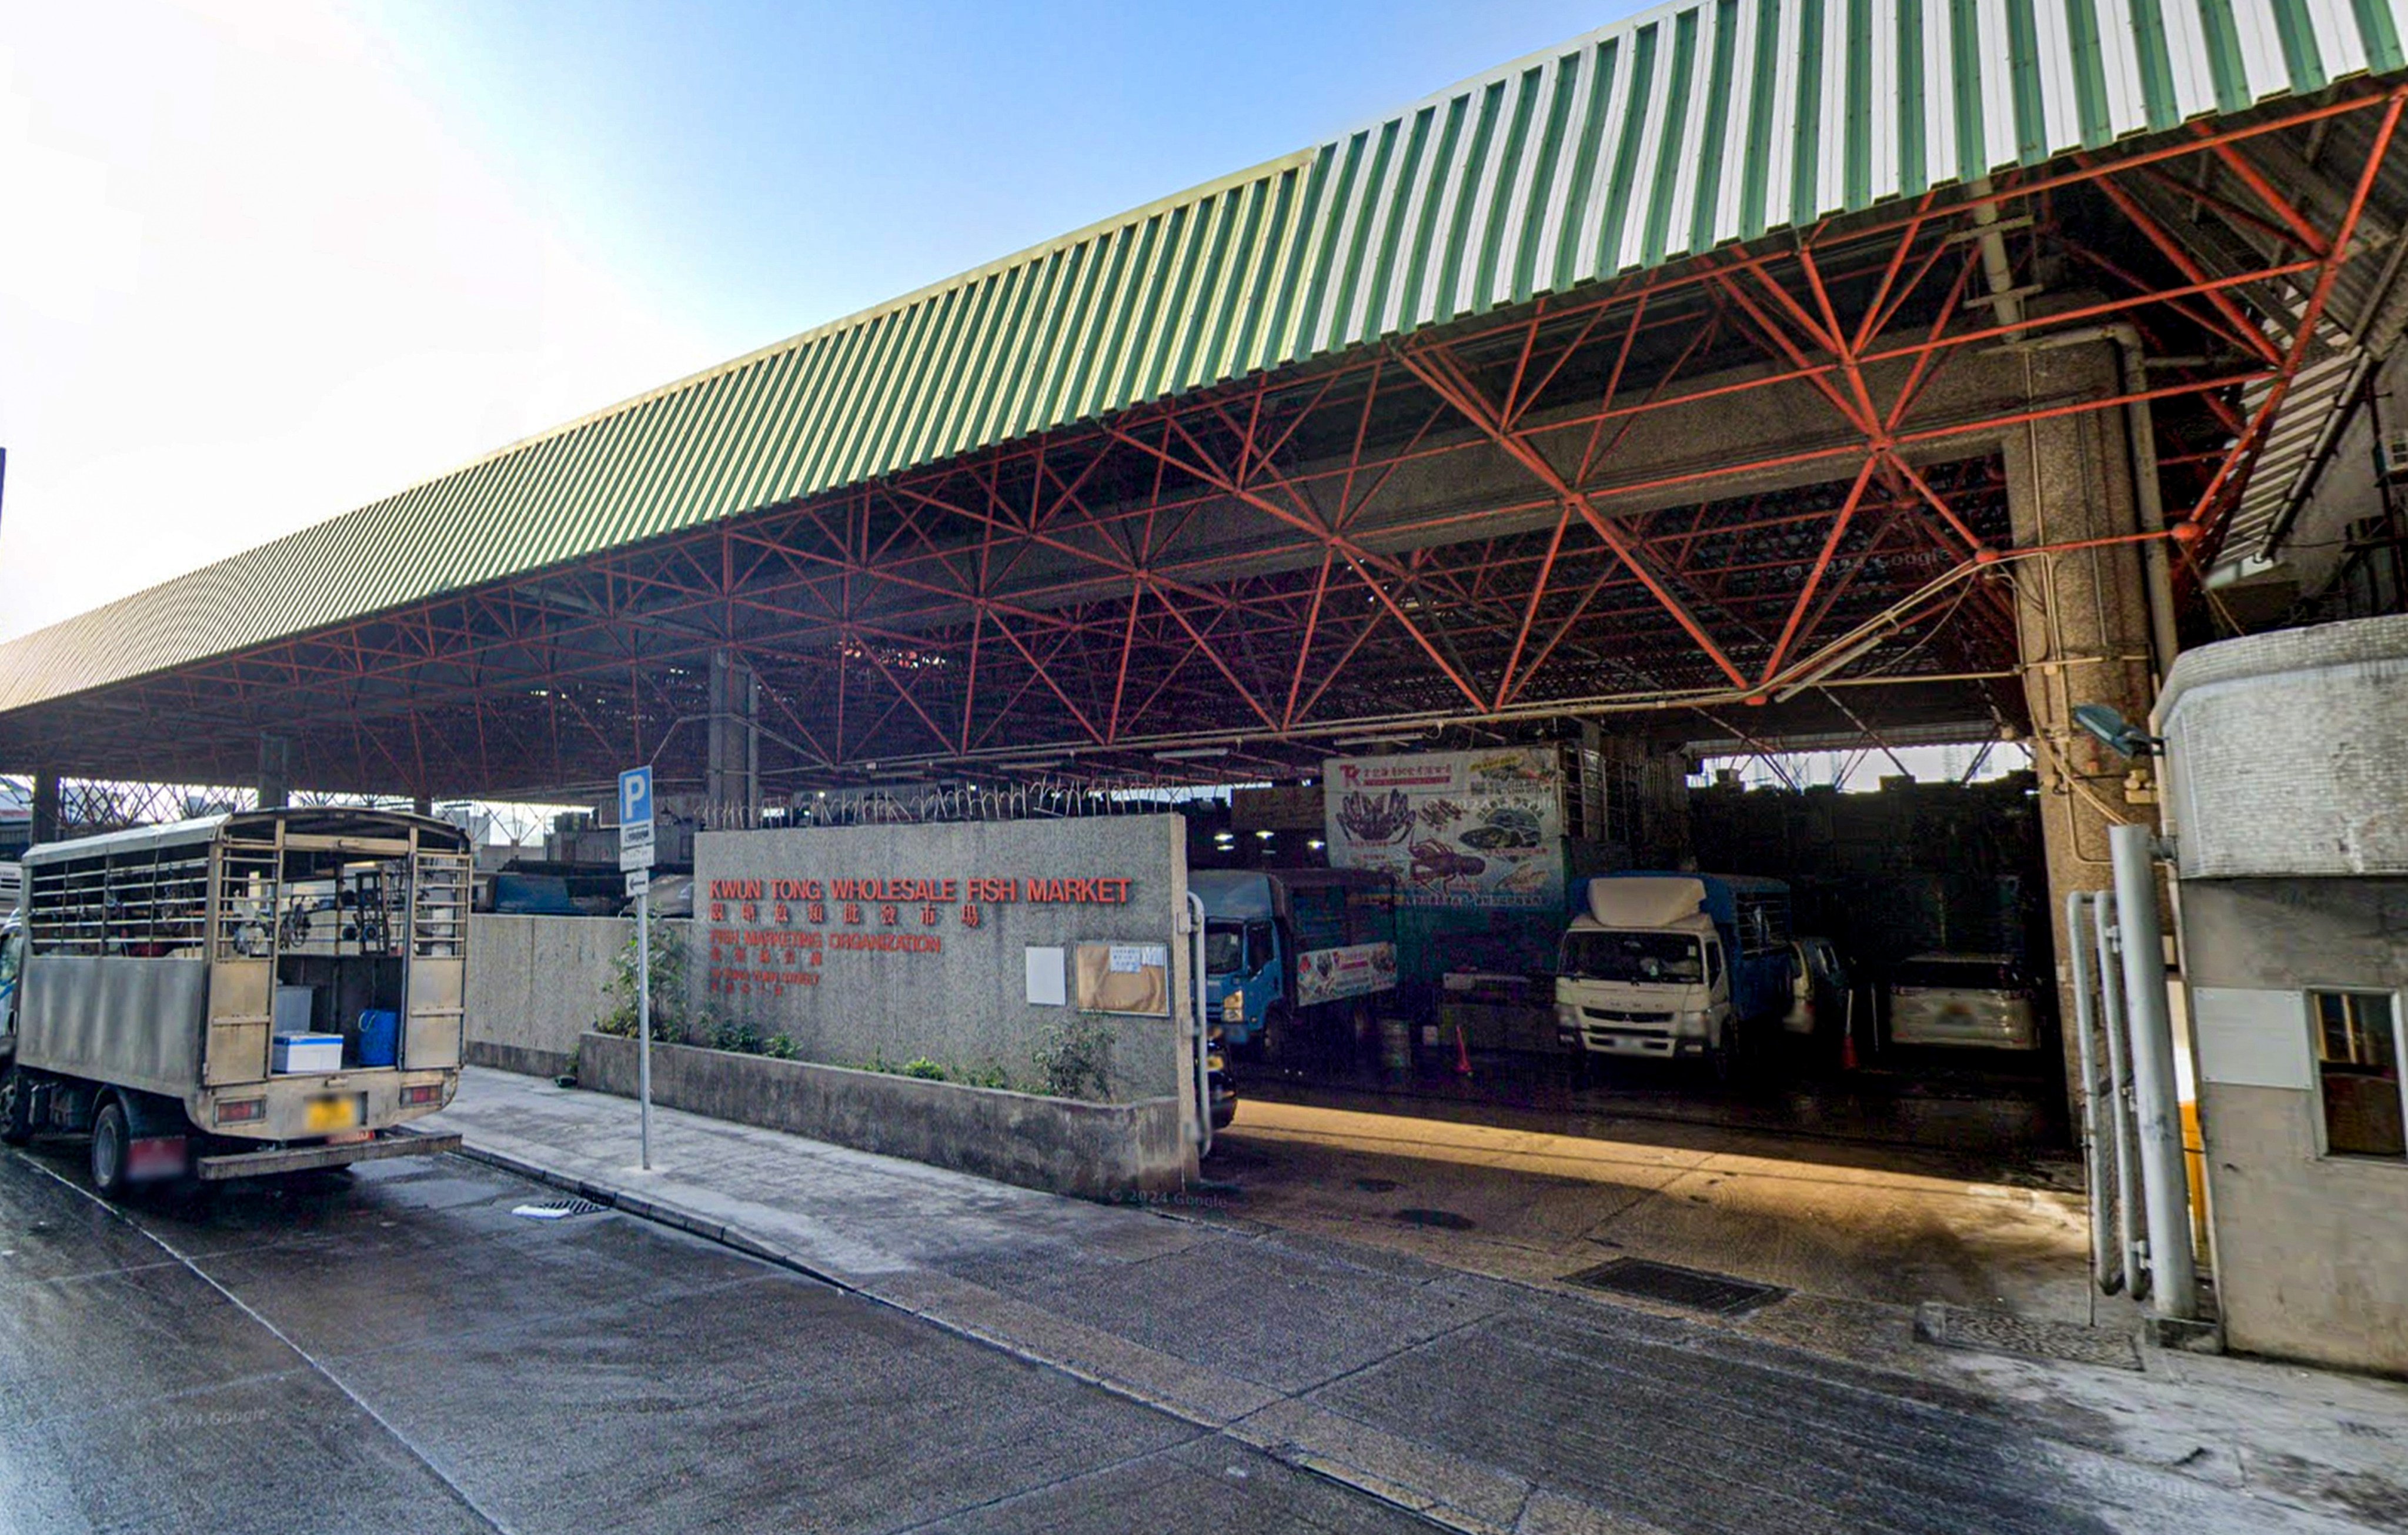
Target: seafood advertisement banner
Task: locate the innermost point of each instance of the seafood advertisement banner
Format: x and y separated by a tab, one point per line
1358	970
1455	828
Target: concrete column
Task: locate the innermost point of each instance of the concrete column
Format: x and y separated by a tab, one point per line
46	808
734	787
275	772
2082	618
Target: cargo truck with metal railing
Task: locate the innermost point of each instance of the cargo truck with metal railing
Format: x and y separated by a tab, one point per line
267	990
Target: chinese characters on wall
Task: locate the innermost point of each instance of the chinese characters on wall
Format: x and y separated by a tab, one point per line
768	936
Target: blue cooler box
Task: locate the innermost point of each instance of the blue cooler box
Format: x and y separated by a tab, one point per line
379	1036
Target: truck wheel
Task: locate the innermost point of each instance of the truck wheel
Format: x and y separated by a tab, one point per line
1722	1057
16	1106
111	1144
1279	1041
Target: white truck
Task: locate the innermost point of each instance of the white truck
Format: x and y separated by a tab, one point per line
1673	967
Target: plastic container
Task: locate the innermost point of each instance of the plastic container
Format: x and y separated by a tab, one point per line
305	1055
379	1036
295	1006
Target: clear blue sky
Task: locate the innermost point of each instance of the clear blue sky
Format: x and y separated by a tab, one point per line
269	260
769	166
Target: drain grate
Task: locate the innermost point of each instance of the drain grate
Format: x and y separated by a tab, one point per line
1691	1289
1443	1220
552	1210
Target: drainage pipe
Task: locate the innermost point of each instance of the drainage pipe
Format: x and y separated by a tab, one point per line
2106	1262
2131	1268
1997	269
2173	1288
1203	1044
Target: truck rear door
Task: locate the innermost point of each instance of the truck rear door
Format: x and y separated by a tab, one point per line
439	959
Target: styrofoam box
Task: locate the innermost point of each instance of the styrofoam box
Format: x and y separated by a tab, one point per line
302	1053
294	1005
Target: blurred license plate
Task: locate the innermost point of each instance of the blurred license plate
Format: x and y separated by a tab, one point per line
330	1113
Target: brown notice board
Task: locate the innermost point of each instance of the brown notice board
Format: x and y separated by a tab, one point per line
1124	978
1283	808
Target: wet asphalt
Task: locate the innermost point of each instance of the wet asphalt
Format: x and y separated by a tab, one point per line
392	1348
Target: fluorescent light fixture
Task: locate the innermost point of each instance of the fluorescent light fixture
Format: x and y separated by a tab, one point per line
1192	753
1264	835
1380	741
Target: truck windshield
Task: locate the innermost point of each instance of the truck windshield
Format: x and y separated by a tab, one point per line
1224	947
1632	957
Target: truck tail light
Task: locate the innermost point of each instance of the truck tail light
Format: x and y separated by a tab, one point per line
243	1110
421	1093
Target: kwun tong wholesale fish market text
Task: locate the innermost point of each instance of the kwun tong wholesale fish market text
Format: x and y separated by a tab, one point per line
776	955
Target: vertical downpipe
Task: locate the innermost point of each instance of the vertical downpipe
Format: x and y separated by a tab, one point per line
1202	1044
2133	1271
2173	1289
2106	1263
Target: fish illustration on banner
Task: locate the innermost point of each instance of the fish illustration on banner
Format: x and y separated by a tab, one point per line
1453	829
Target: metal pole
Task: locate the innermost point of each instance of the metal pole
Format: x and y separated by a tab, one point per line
2174	1276
2106	1262
644	1027
2119	1093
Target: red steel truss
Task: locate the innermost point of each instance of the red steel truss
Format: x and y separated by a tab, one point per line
1518	519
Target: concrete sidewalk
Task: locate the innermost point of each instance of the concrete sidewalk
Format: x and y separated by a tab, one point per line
1482	1404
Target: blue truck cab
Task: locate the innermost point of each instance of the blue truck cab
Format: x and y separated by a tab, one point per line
1283	950
1673	966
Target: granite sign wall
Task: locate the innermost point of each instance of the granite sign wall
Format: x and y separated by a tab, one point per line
963	943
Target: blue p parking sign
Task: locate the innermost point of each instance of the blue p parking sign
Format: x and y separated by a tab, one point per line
635	796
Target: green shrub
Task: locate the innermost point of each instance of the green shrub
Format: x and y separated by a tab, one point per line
1074	1059
924	1068
993	1076
779	1047
669	961
739	1039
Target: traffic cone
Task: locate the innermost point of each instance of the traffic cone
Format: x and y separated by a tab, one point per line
1462	1055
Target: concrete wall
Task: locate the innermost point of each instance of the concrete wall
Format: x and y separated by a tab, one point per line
534	985
959	997
2283	753
2311	1250
2283	795
1098	1150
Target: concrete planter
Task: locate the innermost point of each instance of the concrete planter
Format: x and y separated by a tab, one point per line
1098	1150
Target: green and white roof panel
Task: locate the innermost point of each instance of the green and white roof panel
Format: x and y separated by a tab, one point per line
1684	128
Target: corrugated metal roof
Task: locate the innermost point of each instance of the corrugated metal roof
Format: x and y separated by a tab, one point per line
1686	127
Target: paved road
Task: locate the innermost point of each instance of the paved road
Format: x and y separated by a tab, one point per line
392	1349
1498	1406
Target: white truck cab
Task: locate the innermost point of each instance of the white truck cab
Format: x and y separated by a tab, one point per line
1642	972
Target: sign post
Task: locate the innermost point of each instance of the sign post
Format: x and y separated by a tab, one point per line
636	860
